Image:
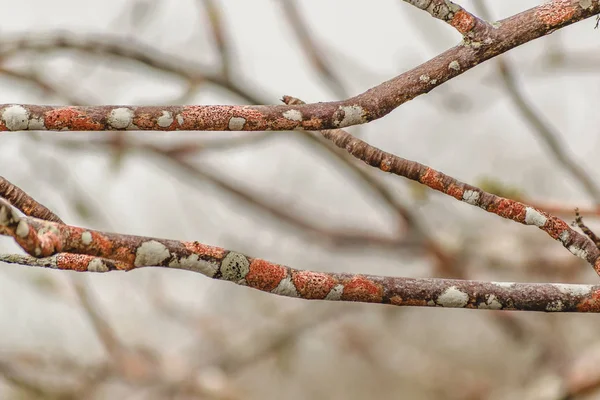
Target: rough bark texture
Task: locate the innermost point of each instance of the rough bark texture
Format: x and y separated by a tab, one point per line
480	43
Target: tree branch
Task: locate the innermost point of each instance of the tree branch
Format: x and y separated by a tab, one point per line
75	248
513	210
368	106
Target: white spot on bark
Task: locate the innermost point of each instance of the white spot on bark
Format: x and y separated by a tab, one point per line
433	81
578	251
534	217
120	118
16	118
36	124
86	238
293	115
353	115
564	237
286	288
335	293
194	263
471	197
237	123
555	305
179	119
454	65
22	229
504	285
491	303
585	4
424	78
453	297
573	290
165	120
151	253
97	265
235	267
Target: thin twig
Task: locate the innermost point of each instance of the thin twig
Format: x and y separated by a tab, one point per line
25	203
513	210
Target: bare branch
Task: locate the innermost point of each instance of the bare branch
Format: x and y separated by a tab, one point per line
53	240
311	48
368	106
25	203
513	210
463	21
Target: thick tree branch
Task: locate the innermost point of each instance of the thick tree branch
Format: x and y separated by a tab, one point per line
74	248
368	106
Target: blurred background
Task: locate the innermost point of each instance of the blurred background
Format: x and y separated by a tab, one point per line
523	126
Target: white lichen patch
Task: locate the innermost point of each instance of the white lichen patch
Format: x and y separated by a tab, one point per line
433	81
585	4
454	65
179	119
556	305
49	229
293	115
120	118
534	217
503	285
165	120
353	115
286	288
578	251
453	297
335	293
424	78
16	117
235	267
36	124
151	253
194	263
97	265
564	237
573	290
236	123
22	229
491	303
471	197
86	238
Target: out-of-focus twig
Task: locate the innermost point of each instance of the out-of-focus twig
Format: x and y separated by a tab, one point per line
312	49
217	24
